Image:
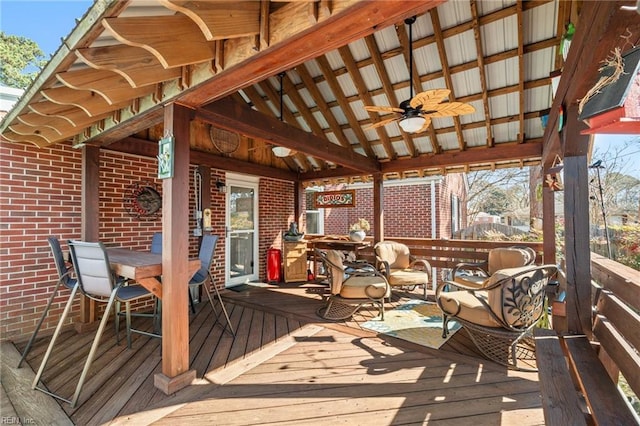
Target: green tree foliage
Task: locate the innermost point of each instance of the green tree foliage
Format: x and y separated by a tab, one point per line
19	55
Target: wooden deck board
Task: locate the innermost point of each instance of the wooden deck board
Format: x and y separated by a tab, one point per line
287	365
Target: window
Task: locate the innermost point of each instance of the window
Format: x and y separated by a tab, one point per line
455	214
314	217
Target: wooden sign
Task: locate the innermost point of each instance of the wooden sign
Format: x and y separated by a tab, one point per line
335	199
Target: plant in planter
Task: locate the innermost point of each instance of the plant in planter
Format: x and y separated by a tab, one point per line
358	230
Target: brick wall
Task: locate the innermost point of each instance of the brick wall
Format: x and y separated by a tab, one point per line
398	200
40	195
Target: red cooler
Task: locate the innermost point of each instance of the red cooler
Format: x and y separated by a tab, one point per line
274	260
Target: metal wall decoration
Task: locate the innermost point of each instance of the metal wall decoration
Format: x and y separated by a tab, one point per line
345	198
143	201
225	141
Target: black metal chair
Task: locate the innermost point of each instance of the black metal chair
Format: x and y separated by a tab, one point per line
96	281
64	280
203	277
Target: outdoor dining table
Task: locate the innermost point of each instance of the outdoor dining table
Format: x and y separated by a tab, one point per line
143	267
344	245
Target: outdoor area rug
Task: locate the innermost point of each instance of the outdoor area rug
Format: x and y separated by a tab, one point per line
416	321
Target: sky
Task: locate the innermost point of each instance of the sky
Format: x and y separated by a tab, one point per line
48	21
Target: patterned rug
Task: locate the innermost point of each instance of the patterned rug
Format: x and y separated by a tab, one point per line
416	321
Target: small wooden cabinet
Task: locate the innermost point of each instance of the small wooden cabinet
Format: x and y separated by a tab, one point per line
295	261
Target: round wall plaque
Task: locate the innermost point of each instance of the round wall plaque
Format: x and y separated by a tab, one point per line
142	200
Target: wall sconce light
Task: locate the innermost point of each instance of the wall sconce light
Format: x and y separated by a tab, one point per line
222	188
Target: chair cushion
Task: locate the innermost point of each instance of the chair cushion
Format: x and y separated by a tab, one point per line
471	280
471	309
507	257
402	277
337	272
521	303
396	254
131	292
354	288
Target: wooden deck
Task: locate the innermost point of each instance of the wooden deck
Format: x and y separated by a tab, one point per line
285	365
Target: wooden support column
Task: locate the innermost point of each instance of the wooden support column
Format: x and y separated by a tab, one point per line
575	148
577	252
548	225
378	208
175	256
90	217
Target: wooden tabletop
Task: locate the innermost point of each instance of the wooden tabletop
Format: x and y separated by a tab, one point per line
142	266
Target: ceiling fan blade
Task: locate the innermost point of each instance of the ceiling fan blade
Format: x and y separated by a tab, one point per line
452	108
374	108
429	98
380	123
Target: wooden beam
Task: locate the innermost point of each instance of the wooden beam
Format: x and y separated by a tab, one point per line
591	44
503	152
147	148
352	23
235	117
481	70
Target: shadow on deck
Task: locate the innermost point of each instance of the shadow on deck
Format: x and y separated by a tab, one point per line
285	365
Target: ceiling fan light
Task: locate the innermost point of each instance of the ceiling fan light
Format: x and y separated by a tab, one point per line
412	124
281	151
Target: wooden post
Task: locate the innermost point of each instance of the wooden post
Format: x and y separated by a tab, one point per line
378	207
297	197
175	256
548	225
90	217
577	252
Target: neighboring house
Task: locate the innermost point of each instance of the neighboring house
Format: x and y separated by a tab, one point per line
8	97
439	203
483	217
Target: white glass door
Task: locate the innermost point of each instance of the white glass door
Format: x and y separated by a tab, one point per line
242	230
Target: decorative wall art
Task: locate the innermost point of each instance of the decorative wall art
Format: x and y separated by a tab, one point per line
345	198
553	177
143	201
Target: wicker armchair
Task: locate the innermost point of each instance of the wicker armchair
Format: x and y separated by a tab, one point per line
400	267
351	287
477	274
501	315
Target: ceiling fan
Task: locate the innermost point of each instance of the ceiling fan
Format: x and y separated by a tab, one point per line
414	115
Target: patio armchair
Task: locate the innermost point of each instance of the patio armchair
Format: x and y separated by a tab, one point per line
203	277
500	316
400	267
65	280
96	281
363	285
477	274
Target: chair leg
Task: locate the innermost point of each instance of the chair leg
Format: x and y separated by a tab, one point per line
92	352
43	364
127	307
32	339
224	310
193	309
445	330
117	321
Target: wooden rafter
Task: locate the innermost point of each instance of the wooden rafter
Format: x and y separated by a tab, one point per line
521	71
135	64
112	87
481	69
387	87
446	72
338	94
363	94
183	45
322	106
